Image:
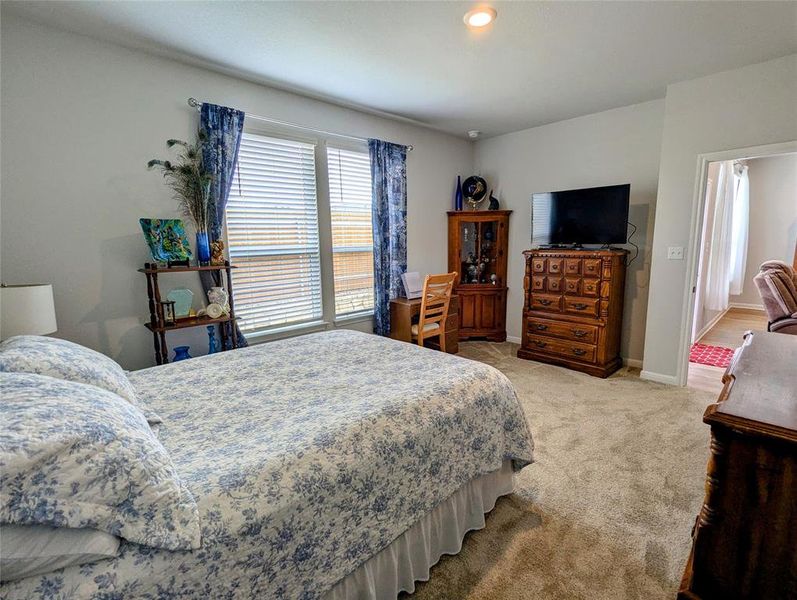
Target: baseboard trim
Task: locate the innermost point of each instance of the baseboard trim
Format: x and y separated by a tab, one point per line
709	325
513	339
659	377
632	362
747	305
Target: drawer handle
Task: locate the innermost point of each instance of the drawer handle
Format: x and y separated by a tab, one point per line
579	352
544	301
579	333
540	327
579	306
540	344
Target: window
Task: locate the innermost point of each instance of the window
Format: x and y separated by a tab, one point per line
272	231
352	237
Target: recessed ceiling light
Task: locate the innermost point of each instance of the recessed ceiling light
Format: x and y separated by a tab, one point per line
480	17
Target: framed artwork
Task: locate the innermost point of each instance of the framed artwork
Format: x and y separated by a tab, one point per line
166	240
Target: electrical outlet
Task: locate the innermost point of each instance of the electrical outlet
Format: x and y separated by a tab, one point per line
675	253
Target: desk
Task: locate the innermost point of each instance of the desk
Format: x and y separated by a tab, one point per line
404	312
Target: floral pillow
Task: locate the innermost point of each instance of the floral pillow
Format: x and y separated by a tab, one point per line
75	455
66	360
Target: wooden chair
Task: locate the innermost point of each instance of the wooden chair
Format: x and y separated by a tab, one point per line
434	308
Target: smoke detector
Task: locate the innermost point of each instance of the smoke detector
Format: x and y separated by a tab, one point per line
474	133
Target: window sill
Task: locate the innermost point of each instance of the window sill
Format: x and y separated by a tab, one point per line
360	317
278	333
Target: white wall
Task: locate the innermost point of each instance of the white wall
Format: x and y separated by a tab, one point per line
80	119
745	107
616	146
773	217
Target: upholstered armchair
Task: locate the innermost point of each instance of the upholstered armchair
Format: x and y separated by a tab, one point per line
777	284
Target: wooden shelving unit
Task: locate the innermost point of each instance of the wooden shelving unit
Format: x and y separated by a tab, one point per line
156	322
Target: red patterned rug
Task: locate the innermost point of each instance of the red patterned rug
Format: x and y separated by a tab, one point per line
715	356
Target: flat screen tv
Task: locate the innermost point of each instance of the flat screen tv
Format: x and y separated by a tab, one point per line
596	216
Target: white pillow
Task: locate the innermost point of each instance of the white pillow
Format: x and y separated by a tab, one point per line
27	550
66	360
75	455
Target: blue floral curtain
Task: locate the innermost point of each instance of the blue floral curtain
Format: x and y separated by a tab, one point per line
389	218
224	128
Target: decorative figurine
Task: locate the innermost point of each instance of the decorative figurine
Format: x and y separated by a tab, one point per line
217	253
218	295
493	202
212	347
494	279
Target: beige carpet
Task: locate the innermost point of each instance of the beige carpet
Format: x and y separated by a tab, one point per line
607	509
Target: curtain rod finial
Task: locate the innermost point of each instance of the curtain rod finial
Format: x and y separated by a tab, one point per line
193	103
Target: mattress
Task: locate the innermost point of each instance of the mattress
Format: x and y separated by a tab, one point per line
307	457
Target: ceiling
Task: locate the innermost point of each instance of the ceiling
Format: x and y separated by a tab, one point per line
539	62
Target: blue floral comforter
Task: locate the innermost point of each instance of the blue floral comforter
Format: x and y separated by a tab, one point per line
306	457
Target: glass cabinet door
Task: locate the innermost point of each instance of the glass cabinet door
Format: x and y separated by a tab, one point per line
478	255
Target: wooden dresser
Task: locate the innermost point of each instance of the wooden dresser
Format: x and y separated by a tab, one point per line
744	542
573	308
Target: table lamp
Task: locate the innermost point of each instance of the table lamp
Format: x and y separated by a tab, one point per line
27	310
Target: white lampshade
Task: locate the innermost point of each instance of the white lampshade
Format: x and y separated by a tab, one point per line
27	310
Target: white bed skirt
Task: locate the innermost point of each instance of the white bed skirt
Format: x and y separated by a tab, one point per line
409	558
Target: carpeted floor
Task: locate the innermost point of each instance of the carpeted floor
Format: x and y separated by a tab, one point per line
607	509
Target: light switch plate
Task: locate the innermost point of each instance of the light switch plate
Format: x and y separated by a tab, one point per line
675	253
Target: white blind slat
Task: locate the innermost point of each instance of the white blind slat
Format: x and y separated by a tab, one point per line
272	230
352	234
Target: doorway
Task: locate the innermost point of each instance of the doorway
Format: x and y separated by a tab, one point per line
747	216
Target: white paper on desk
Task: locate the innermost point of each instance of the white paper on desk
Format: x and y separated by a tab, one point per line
412	285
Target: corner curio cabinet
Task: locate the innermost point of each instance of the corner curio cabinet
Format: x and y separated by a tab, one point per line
477	251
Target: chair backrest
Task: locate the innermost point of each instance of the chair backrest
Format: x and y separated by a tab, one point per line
436	298
777	285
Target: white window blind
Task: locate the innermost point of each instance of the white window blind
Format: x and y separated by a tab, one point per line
352	237
272	231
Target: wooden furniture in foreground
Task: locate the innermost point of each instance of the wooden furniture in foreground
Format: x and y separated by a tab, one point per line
159	327
744	542
403	312
573	308
434	309
477	250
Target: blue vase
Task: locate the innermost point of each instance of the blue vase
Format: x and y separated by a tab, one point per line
202	247
212	347
458	195
181	353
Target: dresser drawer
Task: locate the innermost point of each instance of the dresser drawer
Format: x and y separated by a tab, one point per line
546	302
555	265
573	286
592	267
538	265
554	284
537	284
590	287
572	266
582	306
576	332
564	348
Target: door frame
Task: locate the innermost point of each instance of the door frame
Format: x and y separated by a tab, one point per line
696	237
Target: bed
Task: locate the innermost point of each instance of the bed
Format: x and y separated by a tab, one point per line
330	466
